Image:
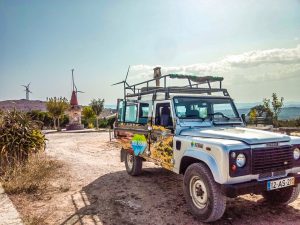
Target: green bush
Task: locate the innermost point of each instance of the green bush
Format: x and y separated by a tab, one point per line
46	119
103	123
107	123
20	136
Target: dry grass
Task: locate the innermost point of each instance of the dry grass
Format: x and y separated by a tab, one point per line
34	220
30	178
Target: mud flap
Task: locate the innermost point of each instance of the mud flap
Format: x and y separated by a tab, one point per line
122	155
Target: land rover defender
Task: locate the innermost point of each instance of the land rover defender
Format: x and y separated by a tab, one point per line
194	129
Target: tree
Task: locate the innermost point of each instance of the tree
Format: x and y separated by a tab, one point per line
277	105
57	107
89	114
97	106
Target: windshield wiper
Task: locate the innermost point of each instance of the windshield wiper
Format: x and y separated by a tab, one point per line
195	117
219	113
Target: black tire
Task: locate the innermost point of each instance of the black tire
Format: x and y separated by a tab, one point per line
134	168
215	205
282	196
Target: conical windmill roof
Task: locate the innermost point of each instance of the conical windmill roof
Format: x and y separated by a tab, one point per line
74	100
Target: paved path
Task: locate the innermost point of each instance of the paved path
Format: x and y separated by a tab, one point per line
8	213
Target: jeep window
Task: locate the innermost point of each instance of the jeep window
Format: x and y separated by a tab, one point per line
224	108
144	110
120	110
205	108
163	115
131	113
143	113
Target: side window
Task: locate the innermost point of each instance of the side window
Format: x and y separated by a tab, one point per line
120	110
143	113
131	113
163	116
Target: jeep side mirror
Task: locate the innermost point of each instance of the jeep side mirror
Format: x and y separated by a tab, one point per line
244	118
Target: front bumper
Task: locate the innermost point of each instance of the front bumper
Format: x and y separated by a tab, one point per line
255	187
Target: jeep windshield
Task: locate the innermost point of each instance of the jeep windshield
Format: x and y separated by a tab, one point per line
218	110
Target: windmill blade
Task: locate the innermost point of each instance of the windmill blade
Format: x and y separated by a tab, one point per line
127	73
118	83
80	91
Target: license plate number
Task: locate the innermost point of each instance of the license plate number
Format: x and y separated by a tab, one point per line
282	183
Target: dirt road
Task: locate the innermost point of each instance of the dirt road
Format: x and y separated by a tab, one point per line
99	191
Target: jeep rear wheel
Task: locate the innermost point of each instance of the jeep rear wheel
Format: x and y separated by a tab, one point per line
203	194
282	196
133	164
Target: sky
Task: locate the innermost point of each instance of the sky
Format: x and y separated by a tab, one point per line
254	45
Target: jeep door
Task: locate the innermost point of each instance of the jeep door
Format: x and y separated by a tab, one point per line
131	129
162	134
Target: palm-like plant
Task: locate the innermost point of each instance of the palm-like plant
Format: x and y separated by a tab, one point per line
19	137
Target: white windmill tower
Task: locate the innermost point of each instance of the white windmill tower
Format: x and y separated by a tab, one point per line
27	90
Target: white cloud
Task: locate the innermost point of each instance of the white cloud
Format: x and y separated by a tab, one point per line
278	63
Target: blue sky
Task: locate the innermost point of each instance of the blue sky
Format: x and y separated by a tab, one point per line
255	45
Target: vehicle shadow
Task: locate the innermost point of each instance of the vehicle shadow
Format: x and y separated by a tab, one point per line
156	197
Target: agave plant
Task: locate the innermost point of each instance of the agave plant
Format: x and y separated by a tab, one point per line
19	137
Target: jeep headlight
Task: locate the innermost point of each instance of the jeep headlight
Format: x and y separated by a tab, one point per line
241	160
296	153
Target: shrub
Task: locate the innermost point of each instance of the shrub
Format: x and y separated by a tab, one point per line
20	136
103	123
289	123
107	123
89	116
43	117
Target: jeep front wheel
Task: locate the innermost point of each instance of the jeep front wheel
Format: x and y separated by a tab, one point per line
282	196
203	194
133	164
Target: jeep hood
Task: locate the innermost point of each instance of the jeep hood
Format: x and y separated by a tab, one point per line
249	136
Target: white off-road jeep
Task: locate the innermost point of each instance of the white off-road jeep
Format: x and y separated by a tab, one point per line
197	131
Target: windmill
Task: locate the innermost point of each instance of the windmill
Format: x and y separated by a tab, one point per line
27	90
124	82
75	109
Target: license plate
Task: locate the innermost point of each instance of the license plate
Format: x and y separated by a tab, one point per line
282	183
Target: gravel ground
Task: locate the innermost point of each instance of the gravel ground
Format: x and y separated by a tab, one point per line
97	190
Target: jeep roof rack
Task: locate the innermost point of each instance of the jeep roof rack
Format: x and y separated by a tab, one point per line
194	85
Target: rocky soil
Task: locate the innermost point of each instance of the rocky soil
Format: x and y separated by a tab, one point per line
94	188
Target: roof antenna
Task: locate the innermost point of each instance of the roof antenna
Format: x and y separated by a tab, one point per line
27	90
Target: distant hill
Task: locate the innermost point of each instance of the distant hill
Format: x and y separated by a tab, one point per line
30	105
287	113
23	105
